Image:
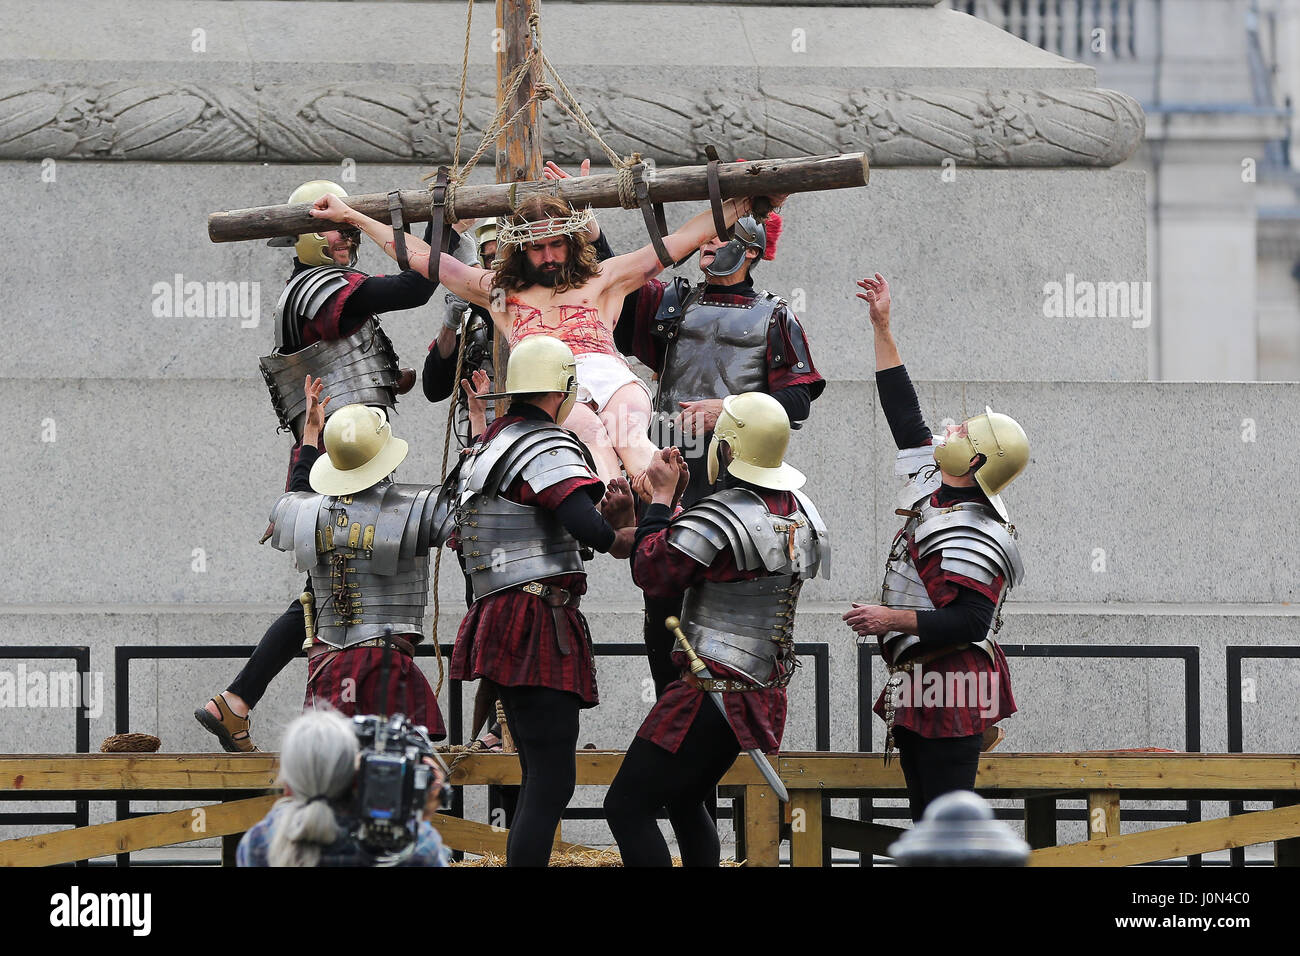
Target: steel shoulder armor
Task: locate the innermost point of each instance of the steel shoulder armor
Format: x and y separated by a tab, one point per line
973	541
748	626
367	555
504	543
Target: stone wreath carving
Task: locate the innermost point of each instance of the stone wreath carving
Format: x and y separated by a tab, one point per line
392	122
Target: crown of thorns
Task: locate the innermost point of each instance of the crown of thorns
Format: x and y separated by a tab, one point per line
521	233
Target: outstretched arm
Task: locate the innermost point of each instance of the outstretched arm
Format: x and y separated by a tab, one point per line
893	385
626	273
469	282
876	295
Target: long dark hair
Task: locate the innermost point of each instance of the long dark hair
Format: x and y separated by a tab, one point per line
580	266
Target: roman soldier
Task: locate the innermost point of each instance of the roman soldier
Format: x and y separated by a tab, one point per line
462	321
740	555
364	540
327	327
948	572
522	512
717	337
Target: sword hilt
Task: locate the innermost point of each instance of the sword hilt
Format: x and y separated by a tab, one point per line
697	665
308	602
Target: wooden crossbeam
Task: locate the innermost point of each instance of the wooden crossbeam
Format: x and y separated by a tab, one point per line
594	769
764	177
799	770
865	836
142	833
1184	839
1200	772
481	839
31	772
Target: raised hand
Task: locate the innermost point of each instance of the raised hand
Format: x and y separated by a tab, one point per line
683	478
661	476
555	172
876	295
315	420
474	401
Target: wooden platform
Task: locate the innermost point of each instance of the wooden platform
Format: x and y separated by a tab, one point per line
244	783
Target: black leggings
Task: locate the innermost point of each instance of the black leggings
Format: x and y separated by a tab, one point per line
544	724
651	778
281	643
933	766
659	641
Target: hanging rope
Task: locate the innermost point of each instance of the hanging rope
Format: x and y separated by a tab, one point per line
446	451
542	90
464	76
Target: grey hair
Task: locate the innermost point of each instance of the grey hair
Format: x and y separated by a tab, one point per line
317	763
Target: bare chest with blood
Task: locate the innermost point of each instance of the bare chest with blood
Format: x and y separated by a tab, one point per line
577	322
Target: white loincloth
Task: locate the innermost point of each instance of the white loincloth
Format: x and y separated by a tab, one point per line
601	375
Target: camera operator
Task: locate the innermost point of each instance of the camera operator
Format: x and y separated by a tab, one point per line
315	824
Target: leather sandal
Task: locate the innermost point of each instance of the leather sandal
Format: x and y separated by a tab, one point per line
231	729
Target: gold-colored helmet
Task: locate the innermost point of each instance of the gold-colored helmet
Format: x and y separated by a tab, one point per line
486	232
312	248
360	451
1002	442
757	429
541	364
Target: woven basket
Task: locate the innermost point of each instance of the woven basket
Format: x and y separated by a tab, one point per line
130	744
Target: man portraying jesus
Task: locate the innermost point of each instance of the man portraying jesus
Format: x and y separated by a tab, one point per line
546	281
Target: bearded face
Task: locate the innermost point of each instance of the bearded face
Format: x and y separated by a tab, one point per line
546	275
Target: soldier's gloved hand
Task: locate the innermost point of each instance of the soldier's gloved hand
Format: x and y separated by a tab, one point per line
456	309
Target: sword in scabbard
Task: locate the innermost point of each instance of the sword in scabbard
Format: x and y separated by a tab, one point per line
308	601
699	669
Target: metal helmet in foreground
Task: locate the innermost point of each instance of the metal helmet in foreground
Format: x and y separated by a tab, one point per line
756	428
360	451
958	829
541	364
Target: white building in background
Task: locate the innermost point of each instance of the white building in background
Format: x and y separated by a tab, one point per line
1218	80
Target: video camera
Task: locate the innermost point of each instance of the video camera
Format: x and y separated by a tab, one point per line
394	783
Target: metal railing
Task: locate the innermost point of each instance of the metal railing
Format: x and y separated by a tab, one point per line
1077	29
1236	716
1189	655
80	814
123	656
